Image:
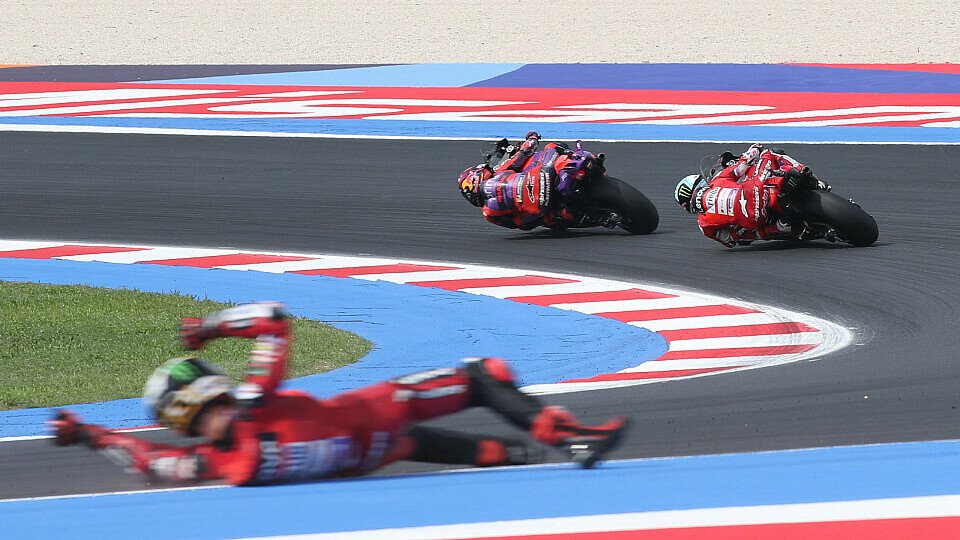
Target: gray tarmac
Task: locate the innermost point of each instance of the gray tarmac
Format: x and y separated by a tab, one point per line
900	381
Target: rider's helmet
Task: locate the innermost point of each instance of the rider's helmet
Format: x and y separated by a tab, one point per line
470	181
181	388
685	190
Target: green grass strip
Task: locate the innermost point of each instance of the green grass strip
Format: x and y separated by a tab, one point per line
61	345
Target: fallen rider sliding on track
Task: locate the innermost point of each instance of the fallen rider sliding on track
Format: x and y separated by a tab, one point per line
256	433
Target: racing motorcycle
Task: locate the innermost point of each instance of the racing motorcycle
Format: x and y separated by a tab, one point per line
822	213
598	199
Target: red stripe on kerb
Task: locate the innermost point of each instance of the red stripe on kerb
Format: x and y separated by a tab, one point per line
605	296
937	528
648	375
226	260
68	250
456	285
737	351
766	329
676	313
368	270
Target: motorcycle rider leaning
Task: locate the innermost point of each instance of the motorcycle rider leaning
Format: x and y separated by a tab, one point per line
737	206
256	433
500	190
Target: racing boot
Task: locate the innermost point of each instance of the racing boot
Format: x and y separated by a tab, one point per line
585	445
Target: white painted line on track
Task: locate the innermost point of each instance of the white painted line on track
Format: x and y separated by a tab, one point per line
40	437
109	493
481	470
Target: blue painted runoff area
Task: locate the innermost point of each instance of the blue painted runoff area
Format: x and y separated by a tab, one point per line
412	328
495	130
726	78
407	75
644	485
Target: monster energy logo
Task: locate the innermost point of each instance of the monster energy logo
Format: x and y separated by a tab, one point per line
185	371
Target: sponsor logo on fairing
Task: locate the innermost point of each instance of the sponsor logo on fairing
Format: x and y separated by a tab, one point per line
379	444
248	392
176	467
698	200
304	459
308	459
531	184
757	208
269	457
722	200
544	188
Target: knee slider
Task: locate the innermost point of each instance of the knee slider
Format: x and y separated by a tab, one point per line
495	368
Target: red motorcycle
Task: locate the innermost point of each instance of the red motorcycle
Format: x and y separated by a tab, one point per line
596	199
822	213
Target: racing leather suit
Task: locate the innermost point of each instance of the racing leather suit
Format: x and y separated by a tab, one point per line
524	190
281	435
735	207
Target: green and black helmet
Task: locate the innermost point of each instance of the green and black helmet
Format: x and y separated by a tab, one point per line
180	388
685	190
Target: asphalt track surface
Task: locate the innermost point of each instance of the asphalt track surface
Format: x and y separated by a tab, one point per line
900	381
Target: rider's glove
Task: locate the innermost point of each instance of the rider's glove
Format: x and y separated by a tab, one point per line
529	145
752	153
67	429
192	333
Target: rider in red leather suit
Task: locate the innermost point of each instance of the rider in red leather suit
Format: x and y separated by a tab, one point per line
257	433
521	192
740	204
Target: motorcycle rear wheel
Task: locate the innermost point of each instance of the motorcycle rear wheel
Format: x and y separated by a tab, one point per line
639	215
852	224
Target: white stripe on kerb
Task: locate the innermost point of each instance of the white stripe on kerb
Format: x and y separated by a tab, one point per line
130	257
616	306
16	245
800	338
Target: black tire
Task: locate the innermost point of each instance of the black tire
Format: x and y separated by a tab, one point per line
852	224
639	214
